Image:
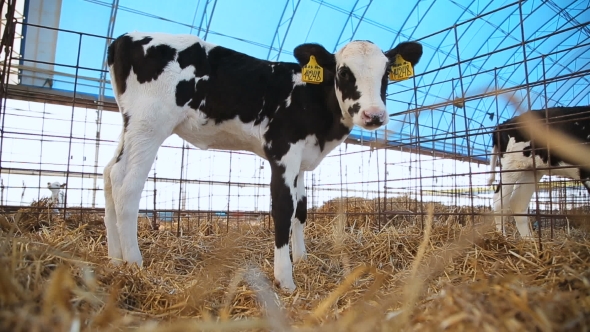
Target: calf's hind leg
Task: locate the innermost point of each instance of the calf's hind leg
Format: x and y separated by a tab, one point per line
140	143
519	202
502	204
110	215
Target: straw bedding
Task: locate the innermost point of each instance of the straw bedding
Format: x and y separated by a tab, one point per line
411	276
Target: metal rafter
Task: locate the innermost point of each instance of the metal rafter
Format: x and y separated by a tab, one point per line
508	79
208	18
508	34
142	13
565	14
447	55
288	20
398	33
349	20
346	11
406	22
194	17
530	48
476	68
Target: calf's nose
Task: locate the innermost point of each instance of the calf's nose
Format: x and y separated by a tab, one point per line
373	116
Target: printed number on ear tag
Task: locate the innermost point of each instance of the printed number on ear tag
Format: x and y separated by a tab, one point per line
401	69
312	72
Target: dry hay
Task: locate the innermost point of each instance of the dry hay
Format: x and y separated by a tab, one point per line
31	218
579	218
399	211
57	277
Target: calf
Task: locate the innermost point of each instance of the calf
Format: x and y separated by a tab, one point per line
57	194
513	148
214	97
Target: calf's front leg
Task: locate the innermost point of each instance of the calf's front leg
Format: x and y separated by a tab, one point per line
283	194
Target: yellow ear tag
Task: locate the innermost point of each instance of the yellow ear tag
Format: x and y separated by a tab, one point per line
400	69
312	72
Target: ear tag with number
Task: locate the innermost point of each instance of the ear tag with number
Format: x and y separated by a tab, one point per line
400	69
312	72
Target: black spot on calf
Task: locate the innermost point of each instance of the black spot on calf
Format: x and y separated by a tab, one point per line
185	91
191	93
527	151
119	56
153	64
384	82
125	54
126	118
282	205
355	108
346	83
301	211
196	56
585	175
201	89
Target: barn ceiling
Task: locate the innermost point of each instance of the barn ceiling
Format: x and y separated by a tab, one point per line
470	46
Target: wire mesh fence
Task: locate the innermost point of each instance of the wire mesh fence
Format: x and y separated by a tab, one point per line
59	123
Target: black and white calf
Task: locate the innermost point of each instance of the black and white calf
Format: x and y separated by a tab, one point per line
214	97
512	148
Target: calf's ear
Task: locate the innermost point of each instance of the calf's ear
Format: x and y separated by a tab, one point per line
410	51
63	185
324	58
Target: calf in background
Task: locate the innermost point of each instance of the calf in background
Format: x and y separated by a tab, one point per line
57	194
512	150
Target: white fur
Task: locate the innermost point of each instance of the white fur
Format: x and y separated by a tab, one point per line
284	269
517	187
228	135
154	116
57	195
368	63
493	163
515	196
179	41
313	154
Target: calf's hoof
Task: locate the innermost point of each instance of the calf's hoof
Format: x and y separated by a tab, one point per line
286	286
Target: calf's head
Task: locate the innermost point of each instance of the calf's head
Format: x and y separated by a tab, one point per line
55	187
359	73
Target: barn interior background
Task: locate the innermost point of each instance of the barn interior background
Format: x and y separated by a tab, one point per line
208	266
59	121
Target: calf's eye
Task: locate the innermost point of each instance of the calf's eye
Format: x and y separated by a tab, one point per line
343	74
